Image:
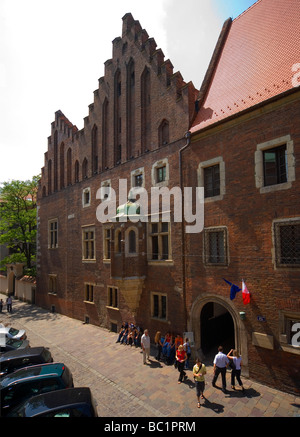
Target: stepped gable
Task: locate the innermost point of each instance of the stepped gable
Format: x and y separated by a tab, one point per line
253	61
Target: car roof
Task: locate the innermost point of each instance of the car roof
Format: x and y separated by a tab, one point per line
57	399
40	370
20	353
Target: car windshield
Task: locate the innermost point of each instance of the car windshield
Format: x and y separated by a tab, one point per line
13	331
13	342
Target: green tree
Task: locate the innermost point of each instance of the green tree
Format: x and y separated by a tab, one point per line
18	221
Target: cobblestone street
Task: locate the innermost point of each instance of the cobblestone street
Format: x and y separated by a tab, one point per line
123	387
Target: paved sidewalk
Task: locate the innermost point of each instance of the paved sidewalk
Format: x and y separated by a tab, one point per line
124	387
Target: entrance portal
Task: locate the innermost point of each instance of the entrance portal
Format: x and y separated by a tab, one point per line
217	328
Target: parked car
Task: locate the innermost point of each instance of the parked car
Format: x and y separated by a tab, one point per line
19	358
30	381
10	332
74	402
11	345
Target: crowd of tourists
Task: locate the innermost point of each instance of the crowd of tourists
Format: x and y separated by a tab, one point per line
177	350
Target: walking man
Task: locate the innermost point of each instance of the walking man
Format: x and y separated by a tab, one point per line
220	365
145	343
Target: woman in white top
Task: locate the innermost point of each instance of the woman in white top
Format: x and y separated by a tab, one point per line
236	368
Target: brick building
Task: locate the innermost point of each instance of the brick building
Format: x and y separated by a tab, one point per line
242	147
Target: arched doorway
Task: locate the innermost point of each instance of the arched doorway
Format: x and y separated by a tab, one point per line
217	328
214	321
11	283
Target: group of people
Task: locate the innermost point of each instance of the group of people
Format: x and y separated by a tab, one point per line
176	350
8	304
130	334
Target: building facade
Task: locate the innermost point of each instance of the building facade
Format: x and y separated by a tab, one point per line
238	138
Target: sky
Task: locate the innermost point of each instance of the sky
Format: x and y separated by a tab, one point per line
52	54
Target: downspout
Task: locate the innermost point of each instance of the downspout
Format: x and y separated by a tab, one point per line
188	142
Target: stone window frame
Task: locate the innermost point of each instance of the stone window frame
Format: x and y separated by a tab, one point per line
259	167
127	243
107	243
285	319
276	242
159	317
159	164
90	228
200	174
86	191
52	284
137	172
89	294
206	254
52	232
115	298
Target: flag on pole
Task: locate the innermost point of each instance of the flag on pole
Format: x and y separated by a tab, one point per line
245	293
233	289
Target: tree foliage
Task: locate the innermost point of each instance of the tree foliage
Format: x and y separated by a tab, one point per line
18	221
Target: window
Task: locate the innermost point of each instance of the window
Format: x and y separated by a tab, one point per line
132	241
287	243
160	173
52	234
52	284
159	240
212	181
163	133
118	241
107	240
289	324
112	298
88	243
86	197
138	177
89	292
159	306
211	176
275	165
215	246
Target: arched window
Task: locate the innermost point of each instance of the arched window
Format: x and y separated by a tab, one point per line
130	86
94	140
55	161
117	118
62	165
118	241
76	171
49	176
146	110
69	167
132	242
163	133
84	169
104	134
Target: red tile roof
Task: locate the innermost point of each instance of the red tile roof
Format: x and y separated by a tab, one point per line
256	61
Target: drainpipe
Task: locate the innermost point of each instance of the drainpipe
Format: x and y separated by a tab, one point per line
187	135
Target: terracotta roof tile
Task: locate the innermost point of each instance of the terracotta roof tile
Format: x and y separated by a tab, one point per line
256	61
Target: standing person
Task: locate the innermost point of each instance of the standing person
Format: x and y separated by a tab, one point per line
220	365
187	348
236	370
145	343
199	370
1	305
181	358
9	304
159	345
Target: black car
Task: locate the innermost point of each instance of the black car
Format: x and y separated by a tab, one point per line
19	358
24	383
73	402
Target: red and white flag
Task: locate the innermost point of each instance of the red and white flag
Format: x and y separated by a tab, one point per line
245	293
